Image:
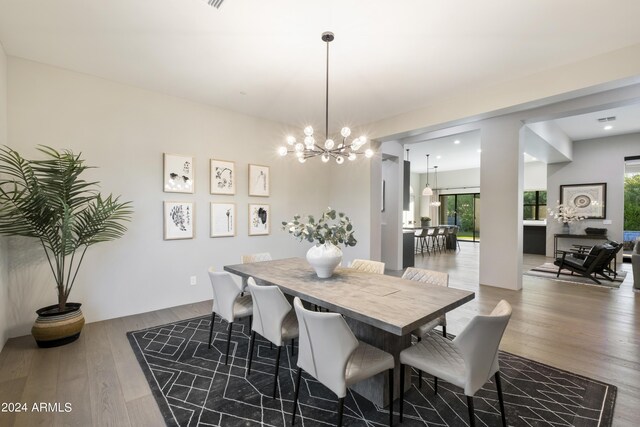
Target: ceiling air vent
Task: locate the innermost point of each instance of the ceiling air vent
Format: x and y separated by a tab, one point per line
606	119
215	3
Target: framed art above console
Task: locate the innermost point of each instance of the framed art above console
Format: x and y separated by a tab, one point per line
589	200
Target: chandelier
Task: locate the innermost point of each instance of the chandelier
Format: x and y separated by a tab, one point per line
338	150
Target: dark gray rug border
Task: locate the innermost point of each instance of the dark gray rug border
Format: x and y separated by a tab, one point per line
605	421
160	399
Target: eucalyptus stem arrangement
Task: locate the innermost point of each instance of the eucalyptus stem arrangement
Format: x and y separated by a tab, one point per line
331	226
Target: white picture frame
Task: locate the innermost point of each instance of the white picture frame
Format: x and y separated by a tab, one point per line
259	178
259	219
222	177
178	174
179	220
223	219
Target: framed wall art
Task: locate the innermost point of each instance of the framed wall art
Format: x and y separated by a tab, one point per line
178	174
259	219
178	220
589	200
223	219
259	180
223	177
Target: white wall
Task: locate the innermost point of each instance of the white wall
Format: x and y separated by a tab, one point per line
124	131
4	280
391	227
594	161
535	176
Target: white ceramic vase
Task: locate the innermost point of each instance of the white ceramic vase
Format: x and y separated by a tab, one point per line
324	259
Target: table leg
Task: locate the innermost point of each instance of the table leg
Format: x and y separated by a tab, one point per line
376	388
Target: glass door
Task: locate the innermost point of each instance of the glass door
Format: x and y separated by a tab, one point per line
462	210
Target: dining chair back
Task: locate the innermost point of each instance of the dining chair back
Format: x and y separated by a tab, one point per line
225	293
270	307
478	344
273	319
324	346
467	362
367	266
227	303
434	278
262	256
331	354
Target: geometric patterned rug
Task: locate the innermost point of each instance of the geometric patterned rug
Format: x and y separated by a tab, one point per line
549	270
193	387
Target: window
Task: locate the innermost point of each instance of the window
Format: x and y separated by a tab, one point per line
462	210
535	205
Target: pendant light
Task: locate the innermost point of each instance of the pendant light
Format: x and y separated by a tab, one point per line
437	202
338	150
427	190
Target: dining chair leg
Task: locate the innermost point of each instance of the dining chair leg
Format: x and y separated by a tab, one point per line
472	416
401	390
250	322
391	378
419	379
226	359
253	340
500	399
213	319
275	374
444	331
295	397
340	411
435	385
293	342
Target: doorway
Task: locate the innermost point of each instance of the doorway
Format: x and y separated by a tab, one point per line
462	210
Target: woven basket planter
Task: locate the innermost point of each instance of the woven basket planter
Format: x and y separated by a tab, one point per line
54	328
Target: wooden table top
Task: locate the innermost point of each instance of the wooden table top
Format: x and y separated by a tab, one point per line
390	303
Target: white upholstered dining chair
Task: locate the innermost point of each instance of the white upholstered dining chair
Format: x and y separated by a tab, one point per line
228	303
274	319
262	256
434	278
467	362
249	258
367	266
330	353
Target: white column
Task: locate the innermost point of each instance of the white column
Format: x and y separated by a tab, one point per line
501	183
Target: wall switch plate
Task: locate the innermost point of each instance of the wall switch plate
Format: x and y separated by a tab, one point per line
607	222
194	280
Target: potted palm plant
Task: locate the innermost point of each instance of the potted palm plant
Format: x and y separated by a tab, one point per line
47	199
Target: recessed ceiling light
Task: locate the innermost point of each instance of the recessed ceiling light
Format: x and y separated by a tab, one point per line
438	157
608	127
479	150
457	141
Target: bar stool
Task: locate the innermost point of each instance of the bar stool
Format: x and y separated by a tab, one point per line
441	238
453	232
431	239
421	240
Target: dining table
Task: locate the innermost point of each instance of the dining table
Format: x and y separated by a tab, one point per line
381	310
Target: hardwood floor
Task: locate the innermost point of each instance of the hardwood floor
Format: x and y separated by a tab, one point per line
584	329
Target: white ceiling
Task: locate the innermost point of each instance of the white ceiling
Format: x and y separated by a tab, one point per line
465	155
265	58
445	153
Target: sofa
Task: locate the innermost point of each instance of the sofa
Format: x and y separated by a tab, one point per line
635	264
